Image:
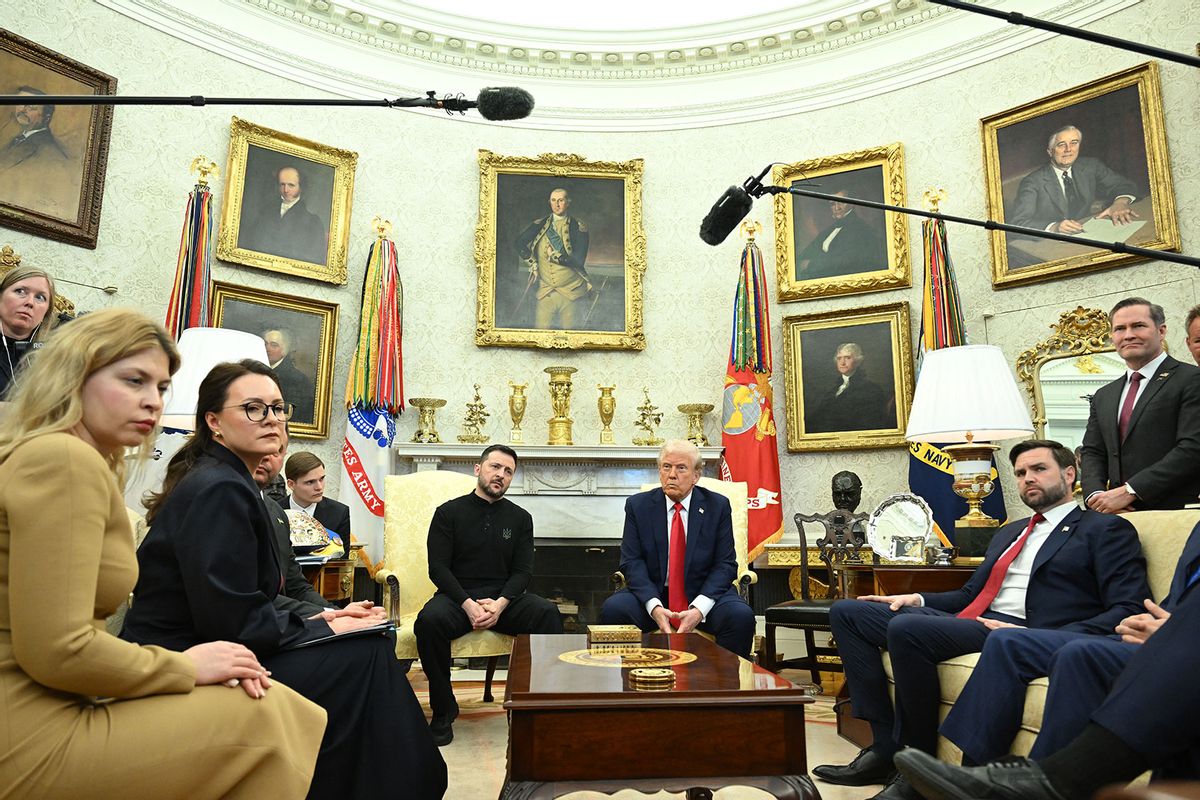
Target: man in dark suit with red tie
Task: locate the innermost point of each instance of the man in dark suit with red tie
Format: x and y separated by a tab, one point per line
1142	443
1082	668
1062	568
681	580
1116	707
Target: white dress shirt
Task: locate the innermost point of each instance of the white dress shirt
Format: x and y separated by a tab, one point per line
1011	598
310	510
700	602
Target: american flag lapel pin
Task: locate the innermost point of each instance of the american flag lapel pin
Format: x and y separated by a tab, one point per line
701	510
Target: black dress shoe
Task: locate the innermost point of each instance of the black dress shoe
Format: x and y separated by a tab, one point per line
868	767
1017	779
442	729
898	789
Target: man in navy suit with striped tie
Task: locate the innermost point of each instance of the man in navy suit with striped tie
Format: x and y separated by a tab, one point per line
1117	706
1063	568
678	558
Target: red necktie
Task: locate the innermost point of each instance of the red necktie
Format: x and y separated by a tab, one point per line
1135	381
676	594
991	588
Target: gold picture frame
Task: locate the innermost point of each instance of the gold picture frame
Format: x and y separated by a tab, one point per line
1120	150
310	335
872	410
811	259
52	177
311	239
576	290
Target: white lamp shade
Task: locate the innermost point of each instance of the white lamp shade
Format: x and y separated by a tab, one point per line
967	389
200	350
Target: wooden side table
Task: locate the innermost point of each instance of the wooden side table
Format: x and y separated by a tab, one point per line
333	580
859	579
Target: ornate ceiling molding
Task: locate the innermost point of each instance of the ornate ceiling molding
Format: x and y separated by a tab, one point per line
834	52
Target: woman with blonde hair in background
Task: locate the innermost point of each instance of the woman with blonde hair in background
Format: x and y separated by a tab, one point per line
85	713
26	316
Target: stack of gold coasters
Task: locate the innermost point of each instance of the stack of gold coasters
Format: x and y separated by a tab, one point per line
652	679
613	634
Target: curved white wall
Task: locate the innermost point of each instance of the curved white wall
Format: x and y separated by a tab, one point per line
420	171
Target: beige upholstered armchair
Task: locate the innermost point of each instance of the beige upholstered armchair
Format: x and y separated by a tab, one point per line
410	501
736	493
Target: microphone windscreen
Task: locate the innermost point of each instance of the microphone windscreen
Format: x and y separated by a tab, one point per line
505	102
724	216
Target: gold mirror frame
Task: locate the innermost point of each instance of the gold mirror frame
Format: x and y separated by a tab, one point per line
10	259
1077	333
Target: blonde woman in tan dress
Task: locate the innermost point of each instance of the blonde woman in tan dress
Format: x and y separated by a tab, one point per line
83	713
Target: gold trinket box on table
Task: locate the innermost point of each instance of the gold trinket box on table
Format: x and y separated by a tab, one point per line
613	634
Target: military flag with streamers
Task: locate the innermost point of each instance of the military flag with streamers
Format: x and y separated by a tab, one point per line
748	418
374	395
188	307
930	472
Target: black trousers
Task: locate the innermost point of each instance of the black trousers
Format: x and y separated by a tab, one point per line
442	621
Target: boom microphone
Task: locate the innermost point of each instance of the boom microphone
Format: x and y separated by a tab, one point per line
725	215
733	207
494	103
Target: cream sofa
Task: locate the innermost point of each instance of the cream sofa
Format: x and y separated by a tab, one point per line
1163	535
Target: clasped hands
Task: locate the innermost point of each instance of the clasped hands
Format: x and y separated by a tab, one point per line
361	614
685	621
484	612
1140	627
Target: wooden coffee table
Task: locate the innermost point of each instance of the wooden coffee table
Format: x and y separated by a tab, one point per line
576	724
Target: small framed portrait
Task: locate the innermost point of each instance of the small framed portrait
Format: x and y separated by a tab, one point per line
52	157
825	248
1089	161
849	378
300	335
561	252
287	205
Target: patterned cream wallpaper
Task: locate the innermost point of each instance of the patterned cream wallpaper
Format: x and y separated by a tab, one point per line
419	170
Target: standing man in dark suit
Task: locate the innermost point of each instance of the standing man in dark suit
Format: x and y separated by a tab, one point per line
681	580
481	561
1063	194
1142	444
1082	667
1145	721
306	478
1062	568
848	244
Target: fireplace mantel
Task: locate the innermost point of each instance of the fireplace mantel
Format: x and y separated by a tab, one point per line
572	491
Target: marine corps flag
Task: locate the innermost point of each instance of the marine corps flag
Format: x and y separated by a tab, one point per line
930	473
747	418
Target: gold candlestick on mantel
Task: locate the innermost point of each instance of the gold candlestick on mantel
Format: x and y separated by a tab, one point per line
426	424
607	404
649	418
516	410
560	401
695	419
474	421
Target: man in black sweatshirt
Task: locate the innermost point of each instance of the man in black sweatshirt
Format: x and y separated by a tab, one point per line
480	560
